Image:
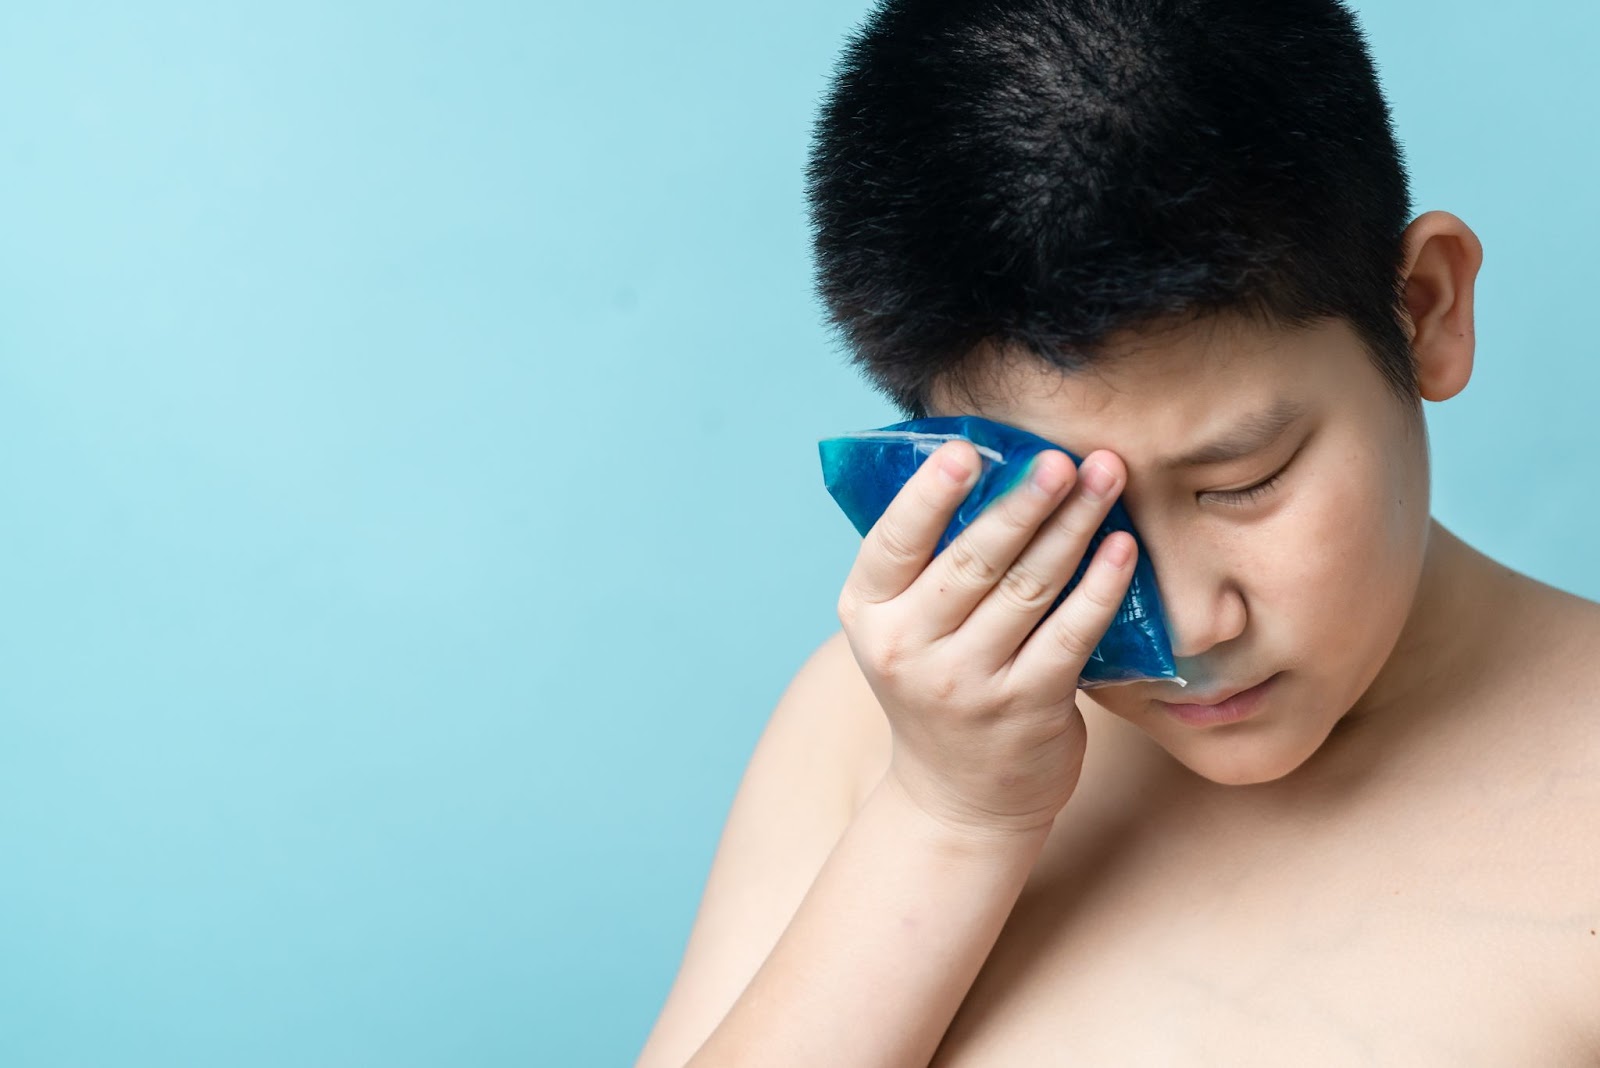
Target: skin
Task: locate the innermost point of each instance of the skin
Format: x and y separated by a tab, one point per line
943	854
1375	868
1336	579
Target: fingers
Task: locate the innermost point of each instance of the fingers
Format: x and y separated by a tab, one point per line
900	544
1052	659
996	580
959	578
1014	605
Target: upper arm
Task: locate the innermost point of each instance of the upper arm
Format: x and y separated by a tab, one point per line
799	792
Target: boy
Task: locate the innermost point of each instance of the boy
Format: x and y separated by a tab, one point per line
1174	236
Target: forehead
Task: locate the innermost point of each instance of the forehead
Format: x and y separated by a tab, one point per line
1154	394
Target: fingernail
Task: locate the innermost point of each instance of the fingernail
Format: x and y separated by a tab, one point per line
954	469
1046	480
1097	481
1117	551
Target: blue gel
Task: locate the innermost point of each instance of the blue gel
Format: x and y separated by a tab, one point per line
864	471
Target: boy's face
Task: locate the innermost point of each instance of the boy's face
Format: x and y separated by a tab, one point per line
1310	581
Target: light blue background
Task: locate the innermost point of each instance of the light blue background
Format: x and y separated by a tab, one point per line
411	508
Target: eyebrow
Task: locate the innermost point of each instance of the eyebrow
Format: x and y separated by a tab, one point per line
1255	431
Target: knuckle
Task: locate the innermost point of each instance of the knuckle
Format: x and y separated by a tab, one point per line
1079	520
888	656
1023	510
943	688
848	607
1075	636
968	565
1099	597
893	544
1025	589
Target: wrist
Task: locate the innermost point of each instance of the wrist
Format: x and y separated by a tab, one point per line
961	836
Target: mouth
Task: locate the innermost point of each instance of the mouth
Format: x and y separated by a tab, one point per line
1224	707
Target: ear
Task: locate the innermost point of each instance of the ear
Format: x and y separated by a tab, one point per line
1442	260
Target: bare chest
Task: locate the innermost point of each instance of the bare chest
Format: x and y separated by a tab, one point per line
1453	925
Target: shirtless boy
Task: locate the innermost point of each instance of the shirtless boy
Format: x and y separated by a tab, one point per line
1174	236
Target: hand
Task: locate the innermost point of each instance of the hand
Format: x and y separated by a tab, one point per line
987	735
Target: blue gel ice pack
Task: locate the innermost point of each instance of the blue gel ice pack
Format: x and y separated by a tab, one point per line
864	471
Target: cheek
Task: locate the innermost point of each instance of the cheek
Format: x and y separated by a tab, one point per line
1346	546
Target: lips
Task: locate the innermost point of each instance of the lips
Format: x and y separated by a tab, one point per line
1217	699
1225	707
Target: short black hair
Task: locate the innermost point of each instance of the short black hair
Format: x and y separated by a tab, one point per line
1045	173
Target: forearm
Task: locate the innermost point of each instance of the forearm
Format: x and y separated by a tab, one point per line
883	948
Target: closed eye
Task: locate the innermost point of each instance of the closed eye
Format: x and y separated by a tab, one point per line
1247	495
1250	494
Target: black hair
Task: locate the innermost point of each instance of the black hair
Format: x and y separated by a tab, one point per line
1045	173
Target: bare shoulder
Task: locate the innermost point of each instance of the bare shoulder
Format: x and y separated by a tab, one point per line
1547	676
1552	797
1563	654
798	794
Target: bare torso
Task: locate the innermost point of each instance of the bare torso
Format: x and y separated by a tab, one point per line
1437	907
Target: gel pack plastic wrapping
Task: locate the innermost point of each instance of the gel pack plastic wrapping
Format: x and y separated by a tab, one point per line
863	472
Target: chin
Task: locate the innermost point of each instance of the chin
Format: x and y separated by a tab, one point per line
1239	760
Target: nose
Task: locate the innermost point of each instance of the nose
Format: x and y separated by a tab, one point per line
1203	600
